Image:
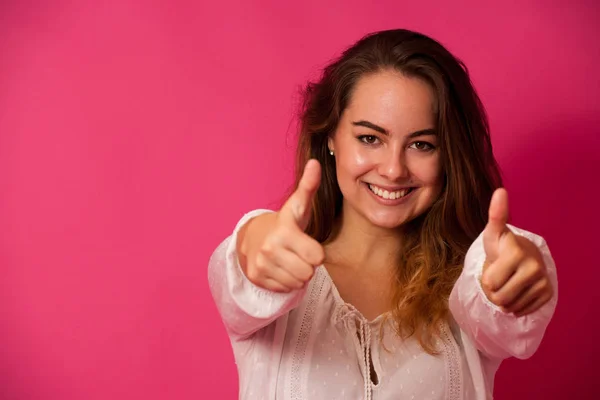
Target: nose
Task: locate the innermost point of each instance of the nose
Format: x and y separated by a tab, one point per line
393	165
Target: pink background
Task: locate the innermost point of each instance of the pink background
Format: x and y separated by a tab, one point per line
133	135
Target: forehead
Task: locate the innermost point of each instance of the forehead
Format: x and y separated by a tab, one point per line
394	101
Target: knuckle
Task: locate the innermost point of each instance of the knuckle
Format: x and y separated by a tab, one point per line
487	281
252	274
300	271
306	272
485	285
259	261
536	267
544	288
320	254
497	298
282	234
275	287
518	254
268	249
315	253
260	266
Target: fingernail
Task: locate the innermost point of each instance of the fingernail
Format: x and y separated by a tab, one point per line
298	210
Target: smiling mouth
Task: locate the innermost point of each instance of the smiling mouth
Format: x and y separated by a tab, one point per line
388	195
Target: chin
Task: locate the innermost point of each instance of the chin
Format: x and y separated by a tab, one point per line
389	221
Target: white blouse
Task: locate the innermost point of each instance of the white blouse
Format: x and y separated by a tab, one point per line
310	344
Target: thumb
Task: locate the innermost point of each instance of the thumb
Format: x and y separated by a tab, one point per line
298	207
496	226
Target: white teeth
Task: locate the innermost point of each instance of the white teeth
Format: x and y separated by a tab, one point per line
388	195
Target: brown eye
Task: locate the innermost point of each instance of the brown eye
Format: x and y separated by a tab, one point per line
368	139
422	146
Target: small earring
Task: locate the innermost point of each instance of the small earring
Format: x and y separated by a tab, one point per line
331	152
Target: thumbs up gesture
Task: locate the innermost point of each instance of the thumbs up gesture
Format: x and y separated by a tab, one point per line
514	274
277	254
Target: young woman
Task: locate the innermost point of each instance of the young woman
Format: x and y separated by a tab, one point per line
391	272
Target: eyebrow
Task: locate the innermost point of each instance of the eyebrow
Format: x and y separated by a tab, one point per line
383	131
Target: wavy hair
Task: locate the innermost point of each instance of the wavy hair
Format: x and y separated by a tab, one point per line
436	242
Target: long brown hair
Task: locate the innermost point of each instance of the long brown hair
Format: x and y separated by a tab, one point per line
437	241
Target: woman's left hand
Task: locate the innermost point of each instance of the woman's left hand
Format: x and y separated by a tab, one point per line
514	274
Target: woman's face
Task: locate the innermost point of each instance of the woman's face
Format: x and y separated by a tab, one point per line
386	150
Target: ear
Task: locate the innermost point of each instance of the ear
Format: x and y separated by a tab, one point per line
330	145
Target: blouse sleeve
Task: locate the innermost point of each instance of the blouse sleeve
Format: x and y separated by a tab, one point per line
495	333
244	307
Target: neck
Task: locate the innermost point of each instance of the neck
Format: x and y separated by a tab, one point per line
359	244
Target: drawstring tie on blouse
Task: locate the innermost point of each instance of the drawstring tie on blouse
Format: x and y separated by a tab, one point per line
345	314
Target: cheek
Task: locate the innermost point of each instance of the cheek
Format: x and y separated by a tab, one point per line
427	170
353	161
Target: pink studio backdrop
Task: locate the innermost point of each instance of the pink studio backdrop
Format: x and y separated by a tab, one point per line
133	135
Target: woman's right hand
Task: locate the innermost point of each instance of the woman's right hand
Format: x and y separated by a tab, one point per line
273	249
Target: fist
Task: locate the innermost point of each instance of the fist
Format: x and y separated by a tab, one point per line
279	255
514	274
